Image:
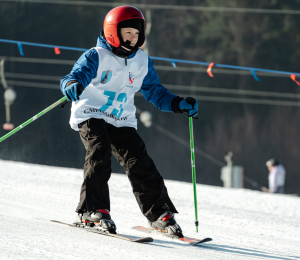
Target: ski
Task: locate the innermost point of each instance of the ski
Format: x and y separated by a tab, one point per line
121	236
188	240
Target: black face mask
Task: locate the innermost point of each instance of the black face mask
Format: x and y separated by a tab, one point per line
121	52
128	46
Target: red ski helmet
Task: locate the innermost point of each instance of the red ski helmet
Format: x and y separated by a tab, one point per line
117	15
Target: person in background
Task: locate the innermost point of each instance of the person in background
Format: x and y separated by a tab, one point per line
276	176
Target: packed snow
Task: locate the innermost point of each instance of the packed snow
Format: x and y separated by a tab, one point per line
243	224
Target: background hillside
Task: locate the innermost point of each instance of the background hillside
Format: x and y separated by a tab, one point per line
254	133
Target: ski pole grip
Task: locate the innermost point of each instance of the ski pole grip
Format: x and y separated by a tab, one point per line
63	104
192	102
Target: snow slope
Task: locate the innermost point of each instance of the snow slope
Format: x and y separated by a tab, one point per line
244	224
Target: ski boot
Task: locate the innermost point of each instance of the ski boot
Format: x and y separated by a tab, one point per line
99	220
166	223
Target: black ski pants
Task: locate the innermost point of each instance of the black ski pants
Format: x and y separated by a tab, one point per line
100	140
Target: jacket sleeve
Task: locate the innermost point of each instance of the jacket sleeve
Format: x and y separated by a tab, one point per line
157	94
84	70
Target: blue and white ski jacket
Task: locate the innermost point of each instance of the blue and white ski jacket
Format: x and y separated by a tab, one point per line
110	84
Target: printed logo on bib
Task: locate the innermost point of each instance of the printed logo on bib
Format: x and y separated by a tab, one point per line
131	79
106	76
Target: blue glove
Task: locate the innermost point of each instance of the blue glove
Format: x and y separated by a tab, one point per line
73	91
189	105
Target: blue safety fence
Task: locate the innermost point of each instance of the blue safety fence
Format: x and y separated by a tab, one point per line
172	61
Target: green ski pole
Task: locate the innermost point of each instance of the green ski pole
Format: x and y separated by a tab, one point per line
64	99
193	169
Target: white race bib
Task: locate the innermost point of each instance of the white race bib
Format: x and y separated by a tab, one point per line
110	95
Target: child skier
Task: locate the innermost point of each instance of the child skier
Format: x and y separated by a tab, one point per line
106	78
